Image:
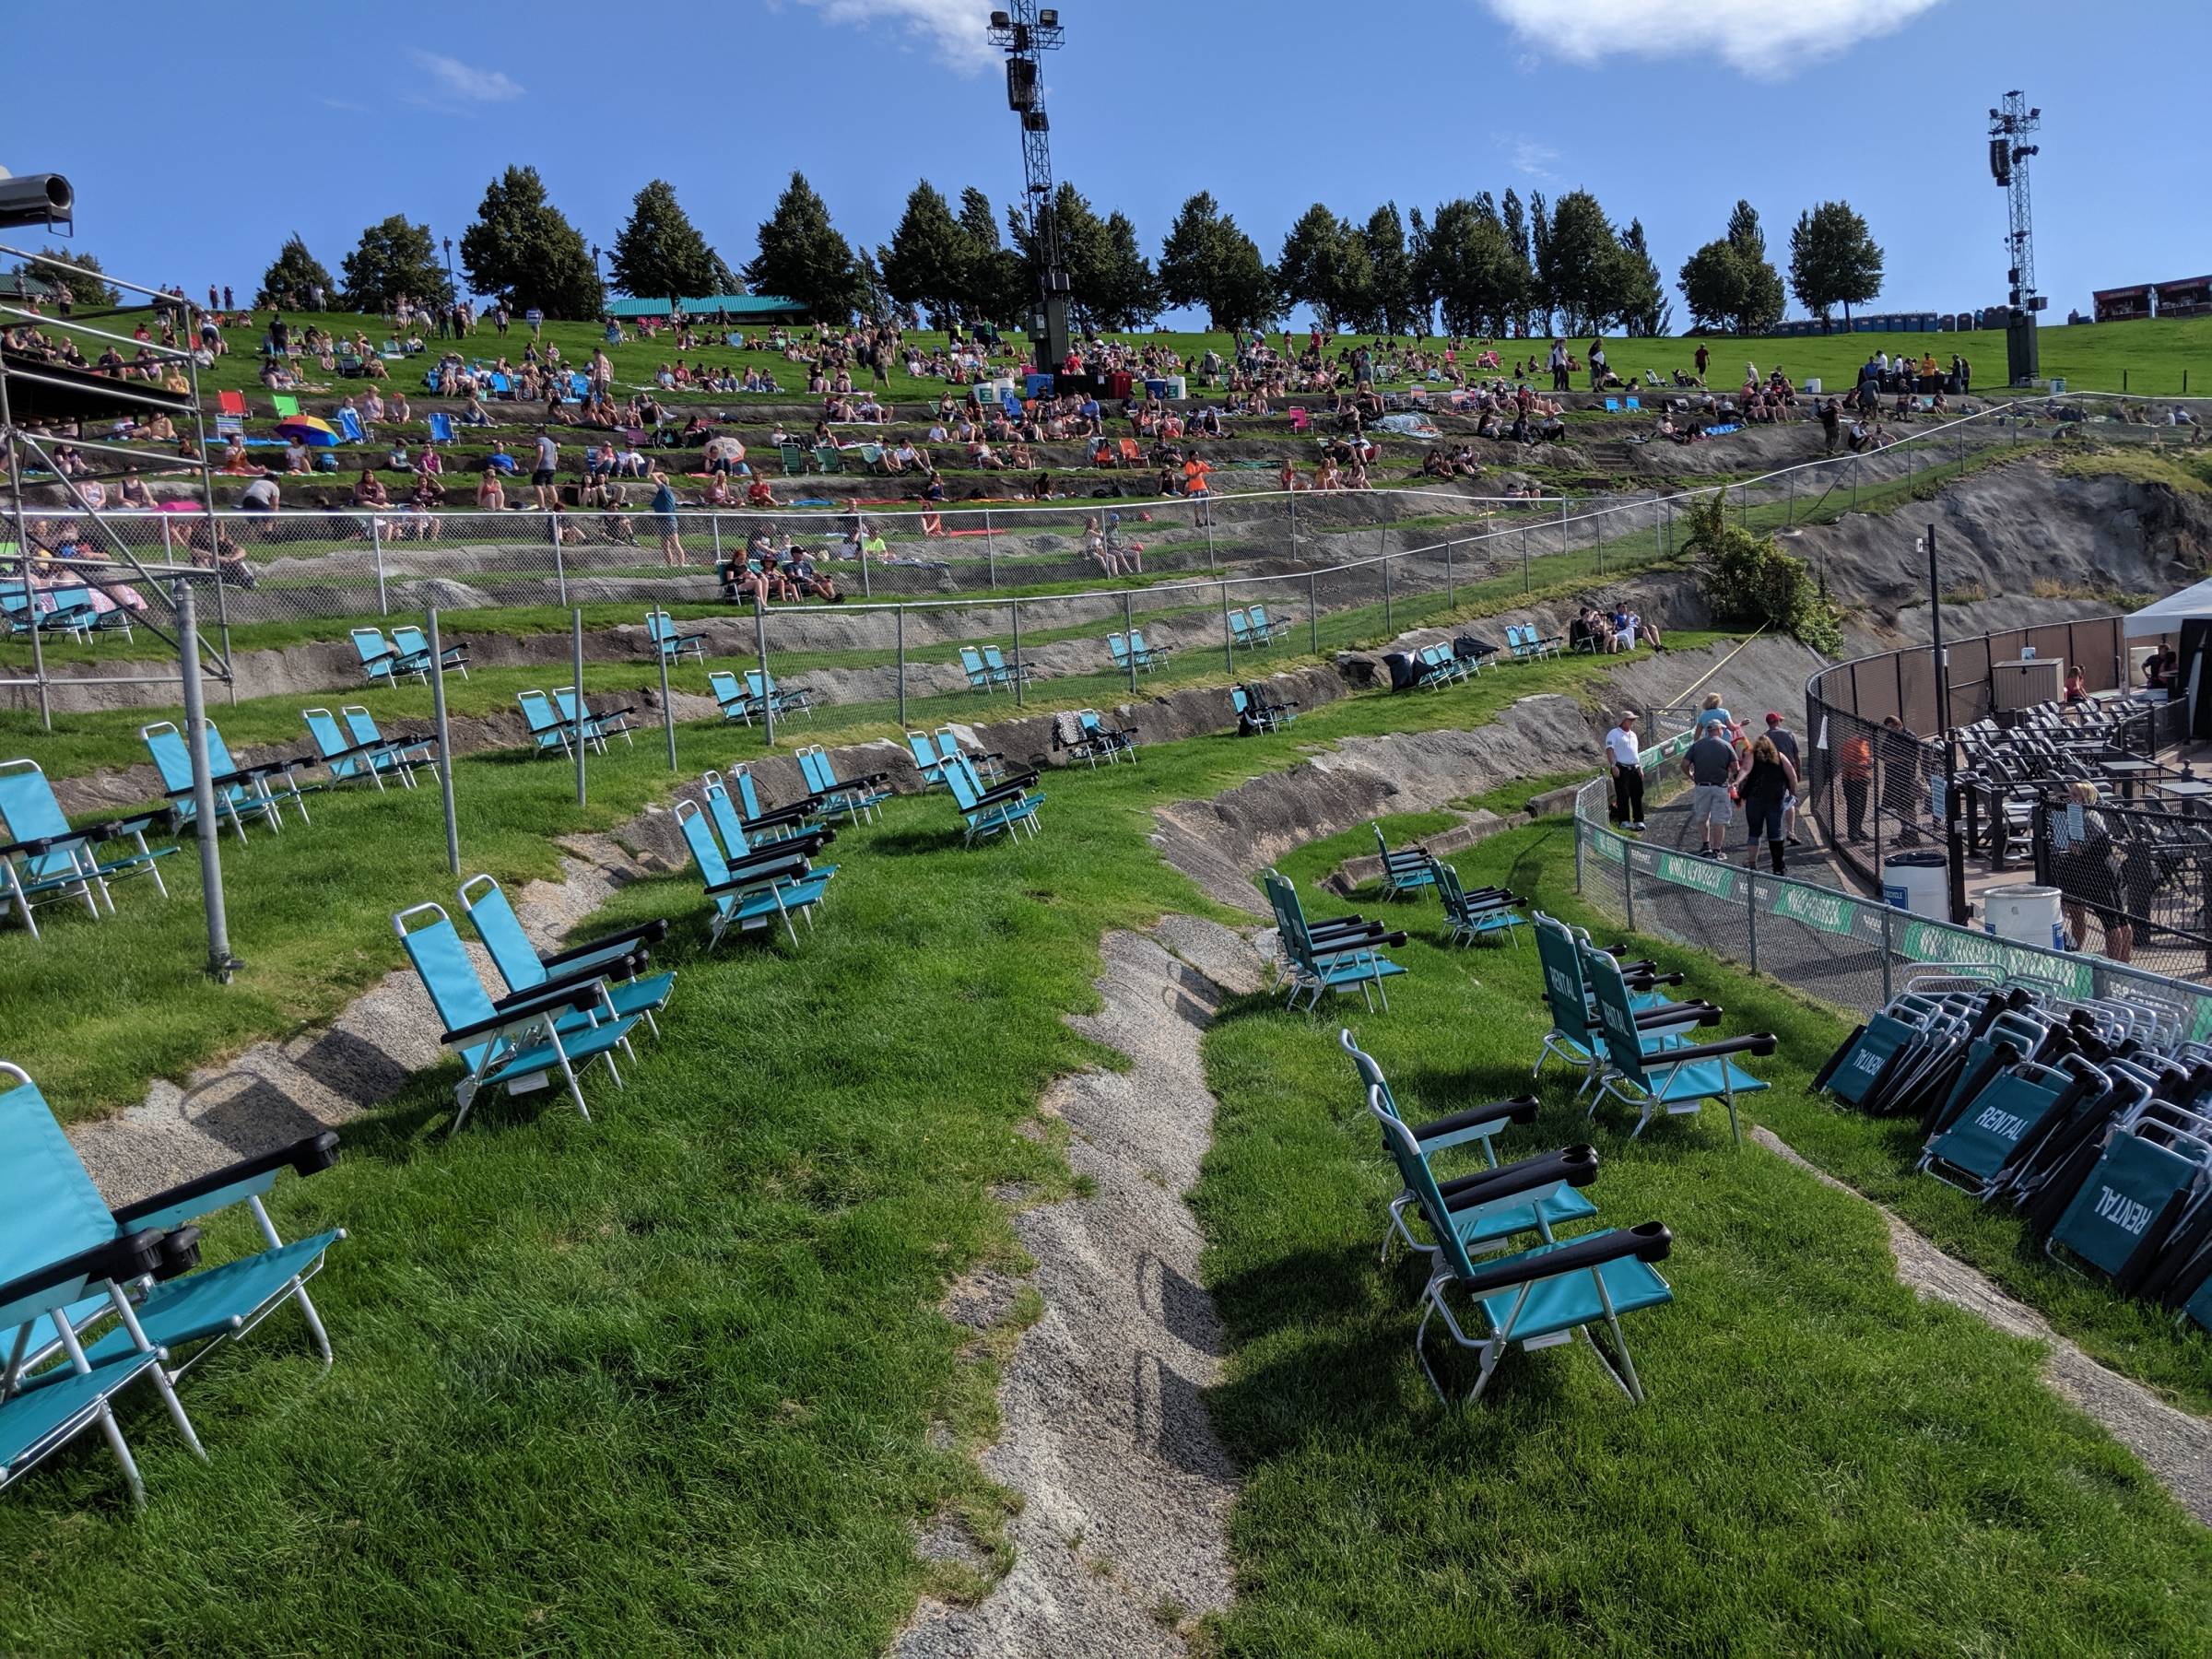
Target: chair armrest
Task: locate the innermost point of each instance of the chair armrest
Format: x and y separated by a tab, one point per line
758	875
804	843
372	745
622	967
1576	1165
1006	795
1519	1110
795	814
645	933
1647	980
577	1000
309	1157
1649	1241
1761	1043
129	1256
45	843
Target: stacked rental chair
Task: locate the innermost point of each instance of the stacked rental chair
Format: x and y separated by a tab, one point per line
47	862
69	1265
615	962
519	1041
1319	958
1083	736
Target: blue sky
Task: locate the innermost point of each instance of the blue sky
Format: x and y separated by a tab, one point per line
323	120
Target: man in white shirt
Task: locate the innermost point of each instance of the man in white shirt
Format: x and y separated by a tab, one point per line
1627	766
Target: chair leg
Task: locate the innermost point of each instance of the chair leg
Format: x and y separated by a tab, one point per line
162	1380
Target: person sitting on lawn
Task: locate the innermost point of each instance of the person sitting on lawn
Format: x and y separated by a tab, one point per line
490	497
369	490
758	494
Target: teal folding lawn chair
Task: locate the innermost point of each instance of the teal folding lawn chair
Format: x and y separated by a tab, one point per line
378	660
549	734
927	761
2120	1215
1148	656
1573	1036
1675	1082
766	823
413	647
599	725
1003	673
758	893
1117	646
1489	1208
1003	809
852	801
279	778
48	862
988	765
1240	629
400	754
1331	962
1472	916
741	843
517	1043
617	963
731	696
660	630
1275	627
237	795
1115	743
979	677
1405	872
1977	1149
1539	1297
137	1265
346	760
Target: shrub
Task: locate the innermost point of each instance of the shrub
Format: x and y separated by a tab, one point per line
1747	578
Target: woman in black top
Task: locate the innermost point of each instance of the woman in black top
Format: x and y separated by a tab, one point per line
1765	782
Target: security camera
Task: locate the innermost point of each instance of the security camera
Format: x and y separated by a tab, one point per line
36	199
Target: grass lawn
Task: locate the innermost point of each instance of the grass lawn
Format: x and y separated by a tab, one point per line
673	1380
1825	1465
2089	357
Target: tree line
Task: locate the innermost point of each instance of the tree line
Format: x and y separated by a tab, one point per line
1493	267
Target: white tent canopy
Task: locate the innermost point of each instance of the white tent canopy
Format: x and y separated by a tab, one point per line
2167	615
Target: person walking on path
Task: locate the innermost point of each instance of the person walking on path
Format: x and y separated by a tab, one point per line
1709	765
546	465
1626	764
1767	783
665	521
1786	744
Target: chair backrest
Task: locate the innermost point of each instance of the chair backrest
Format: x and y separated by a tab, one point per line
924	753
1289	917
27	802
373	648
502	931
1237	700
1240	625
442	428
538	708
1138	645
1616	1015
172	758
283	404
1375	1087
1413	1169
51	1210
1119	645
1565	991
967	791
441	961
748	796
564	699
2133	1186
1089	717
996	661
814	766
231	403
361	725
699	836
972	662
323	727
948	745
724	686
723	812
411	640
1449	890
763	685
660	628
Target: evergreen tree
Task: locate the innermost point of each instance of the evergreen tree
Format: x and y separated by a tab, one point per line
1126	290
1418	257
395	258
1515	219
995	288
290	275
1834	260
926	262
1324	263
1208	261
1583	273
659	254
1540	263
1472	270
801	257
1730	283
83	278
1396	308
523	250
1644	309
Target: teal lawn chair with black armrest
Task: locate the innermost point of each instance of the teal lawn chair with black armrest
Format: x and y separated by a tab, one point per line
738	839
758	893
379	658
782	700
1541	1297
1573	1036
170	1303
1675	1081
660	630
2003	1121
1117	647
927	761
46	861
599	725
2122	1213
988	765
519	1041
349	760
237	795
549	734
619	963
767	823
979	674
1116	743
1148	656
731	696
1471	916
414	650
280	777
1240	629
402	754
1489	1208
1333	964
1003	673
1255	623
856	800
1405	872
1277	625
1326	933
1004	809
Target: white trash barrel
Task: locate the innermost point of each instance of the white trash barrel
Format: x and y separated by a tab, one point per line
2025	913
1812	387
1919	882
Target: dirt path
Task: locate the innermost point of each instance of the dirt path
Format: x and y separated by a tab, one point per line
2175	1446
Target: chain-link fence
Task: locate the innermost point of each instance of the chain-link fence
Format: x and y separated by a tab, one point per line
1850	951
2136	880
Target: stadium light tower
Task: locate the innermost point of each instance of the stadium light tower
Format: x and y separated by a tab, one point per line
1022	31
2008	154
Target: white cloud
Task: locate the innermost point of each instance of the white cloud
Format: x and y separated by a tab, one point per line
951	29
1770	38
454	81
1531	158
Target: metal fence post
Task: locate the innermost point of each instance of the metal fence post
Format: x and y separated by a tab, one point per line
1854	483
1751	906
768	703
576	640
222	608
1386	622
1209	535
1525	577
1789	515
1627	883
1229	644
446	747
376	543
990	548
867	590
560	568
1294	523
901	611
1129	627
1451	598
220	963
1601	544
1019	674
1313	613
1888	954
714	531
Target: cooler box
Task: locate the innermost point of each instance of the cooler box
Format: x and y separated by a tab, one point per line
1812	386
1156	388
1175	386
1037	385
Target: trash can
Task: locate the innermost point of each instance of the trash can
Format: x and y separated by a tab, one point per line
1918	882
2026	913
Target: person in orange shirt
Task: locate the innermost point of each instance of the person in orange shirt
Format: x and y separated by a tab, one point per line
1854	766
